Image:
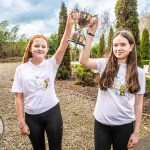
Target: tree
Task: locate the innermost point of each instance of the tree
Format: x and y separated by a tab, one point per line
127	17
102	46
52	43
4	38
64	71
109	44
94	50
20	46
145	45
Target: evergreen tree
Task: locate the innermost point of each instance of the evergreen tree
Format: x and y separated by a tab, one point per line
127	17
52	44
64	71
145	45
110	36
102	46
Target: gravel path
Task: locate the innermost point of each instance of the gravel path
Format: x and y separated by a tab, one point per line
77	112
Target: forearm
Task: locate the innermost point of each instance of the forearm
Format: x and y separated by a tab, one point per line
63	44
85	53
20	111
138	118
64	41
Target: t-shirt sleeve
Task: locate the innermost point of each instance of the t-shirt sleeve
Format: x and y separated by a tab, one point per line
17	86
101	63
52	62
142	81
53	65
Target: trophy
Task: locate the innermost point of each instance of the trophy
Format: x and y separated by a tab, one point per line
83	20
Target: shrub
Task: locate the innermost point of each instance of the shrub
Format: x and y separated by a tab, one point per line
85	76
147	83
145	62
63	73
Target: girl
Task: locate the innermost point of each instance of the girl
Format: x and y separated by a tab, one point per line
35	94
119	103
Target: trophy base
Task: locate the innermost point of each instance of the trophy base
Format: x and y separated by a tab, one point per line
76	42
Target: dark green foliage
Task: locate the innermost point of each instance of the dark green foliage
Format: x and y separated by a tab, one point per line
94	50
145	45
52	44
145	62
85	76
63	73
102	46
127	17
66	60
10	44
110	36
147	83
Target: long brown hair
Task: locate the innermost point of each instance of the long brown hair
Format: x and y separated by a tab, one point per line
27	53
112	67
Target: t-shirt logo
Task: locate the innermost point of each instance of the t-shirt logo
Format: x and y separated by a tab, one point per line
122	90
119	88
40	83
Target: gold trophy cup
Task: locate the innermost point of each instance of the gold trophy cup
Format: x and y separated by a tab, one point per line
83	20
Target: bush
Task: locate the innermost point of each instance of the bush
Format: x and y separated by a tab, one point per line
145	62
85	76
63	73
147	83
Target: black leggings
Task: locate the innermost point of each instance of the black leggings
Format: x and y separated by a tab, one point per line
117	136
49	121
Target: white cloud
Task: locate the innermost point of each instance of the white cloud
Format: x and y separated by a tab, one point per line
36	16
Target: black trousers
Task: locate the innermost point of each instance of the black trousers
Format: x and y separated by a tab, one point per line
106	136
49	122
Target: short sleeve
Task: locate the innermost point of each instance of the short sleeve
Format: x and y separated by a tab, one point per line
101	64
17	86
142	81
52	66
52	62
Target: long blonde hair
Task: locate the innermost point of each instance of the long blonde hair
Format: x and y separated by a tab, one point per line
112	67
27	53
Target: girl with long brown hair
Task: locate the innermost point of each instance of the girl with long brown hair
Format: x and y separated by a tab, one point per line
37	105
119	103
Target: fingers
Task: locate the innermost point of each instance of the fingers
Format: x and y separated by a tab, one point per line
25	130
93	22
131	144
73	14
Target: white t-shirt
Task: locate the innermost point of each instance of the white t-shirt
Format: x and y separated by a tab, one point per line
36	82
114	107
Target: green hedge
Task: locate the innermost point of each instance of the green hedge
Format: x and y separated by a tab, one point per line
147	83
145	62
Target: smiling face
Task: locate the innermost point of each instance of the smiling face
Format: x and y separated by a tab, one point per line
39	49
121	48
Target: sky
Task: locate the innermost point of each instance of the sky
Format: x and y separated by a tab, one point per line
42	16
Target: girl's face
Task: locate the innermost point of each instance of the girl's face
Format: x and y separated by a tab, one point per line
39	49
121	48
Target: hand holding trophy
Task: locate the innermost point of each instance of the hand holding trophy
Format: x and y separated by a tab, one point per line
83	21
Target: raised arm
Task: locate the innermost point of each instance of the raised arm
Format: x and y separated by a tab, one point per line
85	53
64	41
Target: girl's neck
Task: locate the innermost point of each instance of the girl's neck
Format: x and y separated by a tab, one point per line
35	61
123	61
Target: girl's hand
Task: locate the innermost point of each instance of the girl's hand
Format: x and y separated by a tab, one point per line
133	140
72	17
25	130
93	25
